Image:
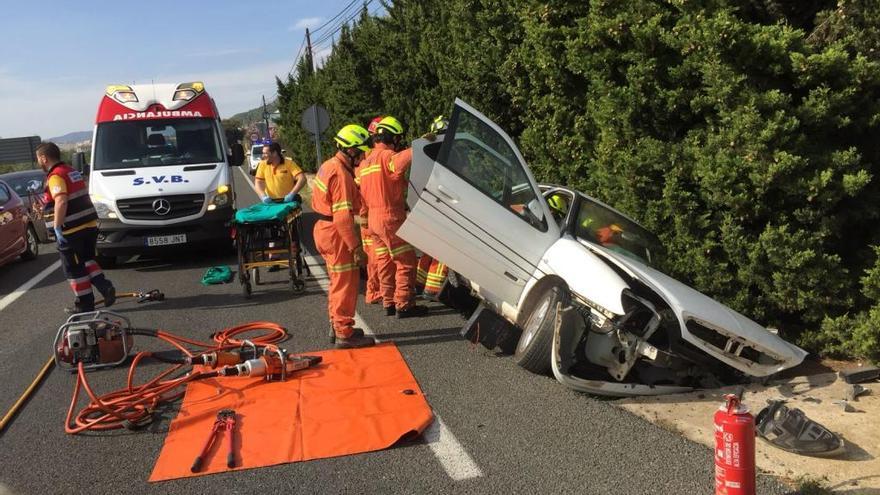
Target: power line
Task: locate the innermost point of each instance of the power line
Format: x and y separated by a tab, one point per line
341	12
342	22
327	39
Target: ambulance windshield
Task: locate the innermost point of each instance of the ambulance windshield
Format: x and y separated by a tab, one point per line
156	143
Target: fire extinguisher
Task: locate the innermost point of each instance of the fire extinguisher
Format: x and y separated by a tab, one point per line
734	449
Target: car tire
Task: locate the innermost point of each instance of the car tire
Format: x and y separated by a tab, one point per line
533	351
32	244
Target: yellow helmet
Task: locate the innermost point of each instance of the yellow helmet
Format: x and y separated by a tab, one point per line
558	203
352	136
389	125
439	125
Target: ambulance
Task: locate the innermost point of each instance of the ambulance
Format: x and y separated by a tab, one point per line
161	172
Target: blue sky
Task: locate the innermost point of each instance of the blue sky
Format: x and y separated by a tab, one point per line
57	57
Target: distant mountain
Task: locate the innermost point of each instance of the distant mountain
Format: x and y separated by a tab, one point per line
72	137
254	115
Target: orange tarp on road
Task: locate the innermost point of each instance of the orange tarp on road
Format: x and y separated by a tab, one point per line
355	401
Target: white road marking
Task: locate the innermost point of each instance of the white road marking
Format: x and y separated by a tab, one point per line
11	297
456	461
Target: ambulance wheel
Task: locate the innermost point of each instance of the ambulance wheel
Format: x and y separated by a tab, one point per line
297	285
246	290
534	349
255	275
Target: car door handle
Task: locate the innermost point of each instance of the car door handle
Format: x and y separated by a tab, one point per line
511	276
447	194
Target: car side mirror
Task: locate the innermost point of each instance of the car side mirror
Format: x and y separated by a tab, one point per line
79	163
535	212
237	157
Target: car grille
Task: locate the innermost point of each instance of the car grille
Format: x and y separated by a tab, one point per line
729	345
182	205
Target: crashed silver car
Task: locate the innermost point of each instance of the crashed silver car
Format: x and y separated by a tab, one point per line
576	278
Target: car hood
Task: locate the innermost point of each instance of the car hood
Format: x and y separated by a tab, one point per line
723	330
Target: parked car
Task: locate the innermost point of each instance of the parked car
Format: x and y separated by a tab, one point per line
17	234
29	185
579	281
254	155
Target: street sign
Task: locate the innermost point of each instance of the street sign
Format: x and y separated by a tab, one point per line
315	119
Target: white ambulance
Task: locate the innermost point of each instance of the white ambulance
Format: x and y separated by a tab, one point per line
160	174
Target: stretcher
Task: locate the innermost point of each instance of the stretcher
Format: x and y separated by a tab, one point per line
267	236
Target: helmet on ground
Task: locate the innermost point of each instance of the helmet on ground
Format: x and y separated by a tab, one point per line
373	123
439	125
389	125
352	136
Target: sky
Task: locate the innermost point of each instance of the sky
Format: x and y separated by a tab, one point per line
56	57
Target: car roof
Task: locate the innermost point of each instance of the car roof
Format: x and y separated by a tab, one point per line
22	173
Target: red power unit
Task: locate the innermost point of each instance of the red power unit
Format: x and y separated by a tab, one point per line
734	449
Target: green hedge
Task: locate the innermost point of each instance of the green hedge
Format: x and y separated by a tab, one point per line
744	133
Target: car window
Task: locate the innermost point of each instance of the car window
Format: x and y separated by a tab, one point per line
602	225
257	152
482	157
148	143
26	185
4	195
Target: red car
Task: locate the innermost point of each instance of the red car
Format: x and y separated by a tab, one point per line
18	237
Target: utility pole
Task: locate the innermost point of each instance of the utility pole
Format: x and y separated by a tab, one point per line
309	48
315	106
265	117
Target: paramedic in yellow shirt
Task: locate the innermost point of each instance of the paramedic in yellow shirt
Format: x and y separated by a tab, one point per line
278	178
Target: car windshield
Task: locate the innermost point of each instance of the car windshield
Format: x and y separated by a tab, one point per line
257	151
599	224
156	143
26	184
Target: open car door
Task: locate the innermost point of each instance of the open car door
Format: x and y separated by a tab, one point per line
475	206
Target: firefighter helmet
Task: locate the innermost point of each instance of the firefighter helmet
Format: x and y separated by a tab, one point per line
389	125
352	136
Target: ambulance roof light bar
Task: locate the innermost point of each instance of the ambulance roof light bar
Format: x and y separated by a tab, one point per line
121	93
188	91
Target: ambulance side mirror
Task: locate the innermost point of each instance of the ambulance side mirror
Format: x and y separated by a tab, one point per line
237	157
79	163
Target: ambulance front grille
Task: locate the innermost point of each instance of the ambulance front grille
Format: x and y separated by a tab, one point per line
177	206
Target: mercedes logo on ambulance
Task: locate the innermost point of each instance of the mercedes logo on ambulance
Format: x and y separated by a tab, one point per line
162	207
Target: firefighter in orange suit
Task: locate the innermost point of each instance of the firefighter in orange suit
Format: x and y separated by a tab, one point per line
371	292
383	187
336	200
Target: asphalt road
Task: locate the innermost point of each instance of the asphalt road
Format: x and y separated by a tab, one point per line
504	429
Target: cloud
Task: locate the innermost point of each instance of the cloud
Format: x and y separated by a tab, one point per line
47	109
306	22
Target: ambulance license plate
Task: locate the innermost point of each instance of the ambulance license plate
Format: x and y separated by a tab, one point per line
166	240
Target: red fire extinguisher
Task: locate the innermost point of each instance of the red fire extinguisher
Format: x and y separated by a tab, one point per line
734	449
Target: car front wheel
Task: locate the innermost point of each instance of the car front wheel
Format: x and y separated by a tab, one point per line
32	244
533	352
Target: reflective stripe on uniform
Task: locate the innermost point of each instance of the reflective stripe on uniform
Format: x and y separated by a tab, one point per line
401	250
340	206
347	267
78	215
382	250
371	169
320	184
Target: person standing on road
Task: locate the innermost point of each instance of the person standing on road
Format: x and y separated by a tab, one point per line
383	186
278	177
335	199
372	295
75	223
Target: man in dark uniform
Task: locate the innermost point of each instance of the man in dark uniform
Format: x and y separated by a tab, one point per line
75	223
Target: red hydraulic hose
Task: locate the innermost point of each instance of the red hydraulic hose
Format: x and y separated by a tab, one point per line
135	404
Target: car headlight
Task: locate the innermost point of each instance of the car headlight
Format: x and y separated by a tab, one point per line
221	199
103	210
